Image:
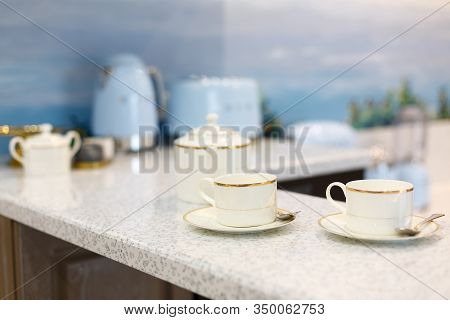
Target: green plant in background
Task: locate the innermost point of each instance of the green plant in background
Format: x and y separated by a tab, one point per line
372	113
443	104
406	97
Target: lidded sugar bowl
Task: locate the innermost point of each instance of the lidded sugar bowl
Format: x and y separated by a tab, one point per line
46	153
207	151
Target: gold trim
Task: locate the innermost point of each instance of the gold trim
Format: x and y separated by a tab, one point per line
233	229
245	185
22	131
189	212
213	147
351	235
91	165
7	130
380	192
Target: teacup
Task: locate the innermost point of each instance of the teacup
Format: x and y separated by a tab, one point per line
242	199
375	206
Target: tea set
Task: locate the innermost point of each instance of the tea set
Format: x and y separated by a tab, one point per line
242	202
210	162
376	210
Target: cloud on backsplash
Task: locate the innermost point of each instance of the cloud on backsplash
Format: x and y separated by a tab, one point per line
180	37
292	47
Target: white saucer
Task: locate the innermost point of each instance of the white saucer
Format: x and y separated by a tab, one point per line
205	218
335	223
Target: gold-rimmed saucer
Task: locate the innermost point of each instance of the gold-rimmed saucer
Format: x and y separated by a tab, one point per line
335	223
206	218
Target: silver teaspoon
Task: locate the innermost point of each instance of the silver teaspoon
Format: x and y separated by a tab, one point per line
418	227
286	216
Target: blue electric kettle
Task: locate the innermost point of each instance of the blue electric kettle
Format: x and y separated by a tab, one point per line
126	102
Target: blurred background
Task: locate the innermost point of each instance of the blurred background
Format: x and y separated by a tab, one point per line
51	50
290	47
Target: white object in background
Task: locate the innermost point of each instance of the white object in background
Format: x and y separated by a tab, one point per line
324	134
46	153
207	151
237	101
375	206
243	199
416	174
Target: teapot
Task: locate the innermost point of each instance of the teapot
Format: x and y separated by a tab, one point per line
46	153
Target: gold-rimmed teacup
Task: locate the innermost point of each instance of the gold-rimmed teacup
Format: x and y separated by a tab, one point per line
242	199
375	206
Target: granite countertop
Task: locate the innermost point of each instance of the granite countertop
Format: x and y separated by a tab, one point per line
135	218
290	160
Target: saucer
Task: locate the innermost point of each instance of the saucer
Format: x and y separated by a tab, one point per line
205	218
335	223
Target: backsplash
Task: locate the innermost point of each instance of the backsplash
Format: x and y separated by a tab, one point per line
47	76
291	47
295	47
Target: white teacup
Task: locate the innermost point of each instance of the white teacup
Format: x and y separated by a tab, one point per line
242	199
375	206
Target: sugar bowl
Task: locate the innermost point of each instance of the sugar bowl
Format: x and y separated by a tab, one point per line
207	151
46	153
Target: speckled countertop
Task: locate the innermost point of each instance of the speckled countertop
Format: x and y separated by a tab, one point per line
135	218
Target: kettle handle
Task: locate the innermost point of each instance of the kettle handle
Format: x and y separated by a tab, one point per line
75	136
160	92
12	148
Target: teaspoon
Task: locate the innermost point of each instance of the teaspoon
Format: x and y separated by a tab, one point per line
418	227
286	216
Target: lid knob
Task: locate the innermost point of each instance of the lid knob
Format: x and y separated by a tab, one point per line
46	128
212	118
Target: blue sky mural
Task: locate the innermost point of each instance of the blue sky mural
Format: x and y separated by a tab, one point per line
39	74
290	47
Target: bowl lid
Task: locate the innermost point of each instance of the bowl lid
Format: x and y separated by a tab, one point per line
46	139
212	135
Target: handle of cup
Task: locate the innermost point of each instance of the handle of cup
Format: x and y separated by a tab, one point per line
205	184
331	200
12	148
75	136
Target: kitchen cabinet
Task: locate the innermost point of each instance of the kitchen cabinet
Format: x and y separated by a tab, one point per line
38	266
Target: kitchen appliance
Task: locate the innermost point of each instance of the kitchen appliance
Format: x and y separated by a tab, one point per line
46	153
126	102
207	151
236	100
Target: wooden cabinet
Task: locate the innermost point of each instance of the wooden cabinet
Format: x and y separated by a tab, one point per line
7	263
38	266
